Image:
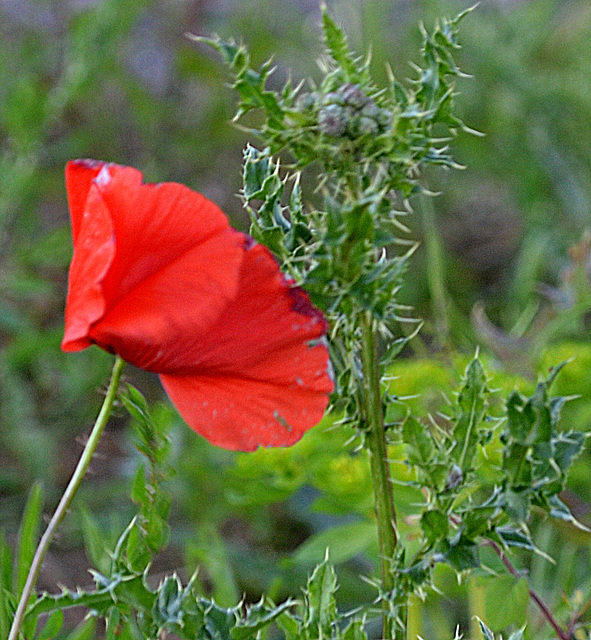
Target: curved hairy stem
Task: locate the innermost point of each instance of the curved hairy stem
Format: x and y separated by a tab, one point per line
67	497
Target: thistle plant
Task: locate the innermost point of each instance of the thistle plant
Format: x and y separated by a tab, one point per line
369	146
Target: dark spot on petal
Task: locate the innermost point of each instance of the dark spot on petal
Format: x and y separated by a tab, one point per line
300	303
87	163
282	421
249	242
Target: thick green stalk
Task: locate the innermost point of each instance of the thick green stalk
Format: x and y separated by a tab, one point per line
380	470
67	498
435	271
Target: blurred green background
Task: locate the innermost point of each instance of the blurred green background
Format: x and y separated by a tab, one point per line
504	263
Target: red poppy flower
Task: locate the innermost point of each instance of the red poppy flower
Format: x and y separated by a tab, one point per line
160	278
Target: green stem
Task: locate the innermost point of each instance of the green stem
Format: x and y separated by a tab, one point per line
380	471
67	498
435	271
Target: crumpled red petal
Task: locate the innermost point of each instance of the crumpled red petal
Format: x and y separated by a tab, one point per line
160	278
260	372
94	251
164	264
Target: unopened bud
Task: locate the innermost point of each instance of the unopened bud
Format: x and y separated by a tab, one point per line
361	126
384	119
371	110
306	102
334	97
332	120
353	95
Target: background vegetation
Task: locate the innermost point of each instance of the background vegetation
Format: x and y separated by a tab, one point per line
504	264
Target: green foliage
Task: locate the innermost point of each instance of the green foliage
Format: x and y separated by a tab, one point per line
14	570
537	454
347	120
467	432
511	590
318	617
462	509
28	536
489	635
133	609
152	532
333	252
13	574
459	512
346	541
60	99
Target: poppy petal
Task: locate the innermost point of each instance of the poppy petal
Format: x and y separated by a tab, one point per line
93	255
243	414
259	376
153	223
156	325
173	262
79	177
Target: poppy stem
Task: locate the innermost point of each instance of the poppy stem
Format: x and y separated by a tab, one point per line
67	497
381	476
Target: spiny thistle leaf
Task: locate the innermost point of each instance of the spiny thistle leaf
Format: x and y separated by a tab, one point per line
338	47
472	410
319	596
258	617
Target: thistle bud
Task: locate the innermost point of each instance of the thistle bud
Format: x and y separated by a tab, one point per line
306	102
353	96
370	109
334	97
332	120
361	126
384	119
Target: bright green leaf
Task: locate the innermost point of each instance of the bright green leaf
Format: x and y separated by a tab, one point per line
52	626
506	599
320	611
435	525
343	543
